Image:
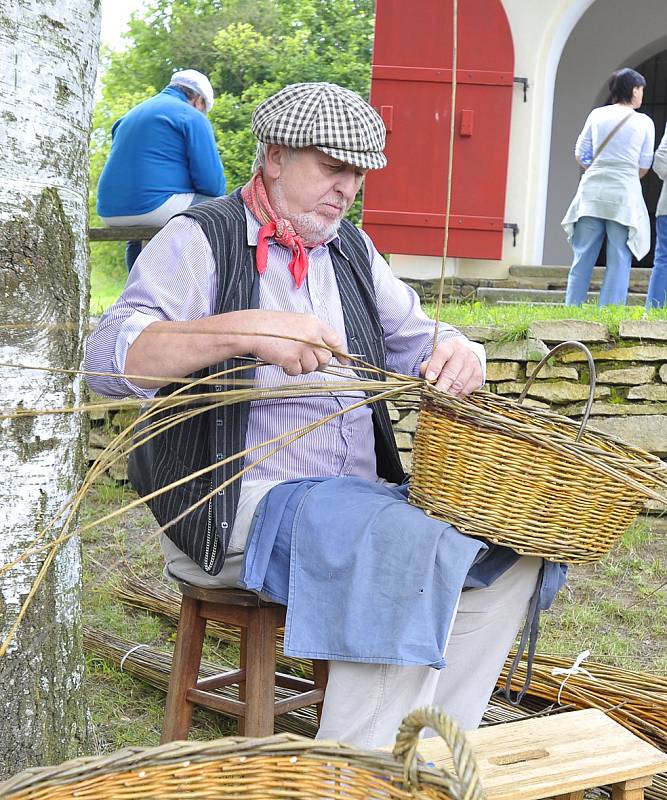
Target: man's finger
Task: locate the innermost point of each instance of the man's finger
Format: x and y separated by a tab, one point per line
461	371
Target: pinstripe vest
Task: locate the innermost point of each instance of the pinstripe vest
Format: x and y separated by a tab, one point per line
212	436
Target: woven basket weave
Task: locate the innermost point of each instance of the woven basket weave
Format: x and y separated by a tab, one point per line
528	478
282	766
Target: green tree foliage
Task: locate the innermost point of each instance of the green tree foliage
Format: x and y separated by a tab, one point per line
249	49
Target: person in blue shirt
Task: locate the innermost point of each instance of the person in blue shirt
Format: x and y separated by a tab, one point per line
163	158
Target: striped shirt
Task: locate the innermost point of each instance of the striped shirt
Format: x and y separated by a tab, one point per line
175	278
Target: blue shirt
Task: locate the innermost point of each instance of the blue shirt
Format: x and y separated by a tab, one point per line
161	147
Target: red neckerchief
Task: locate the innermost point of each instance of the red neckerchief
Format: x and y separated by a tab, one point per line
255	197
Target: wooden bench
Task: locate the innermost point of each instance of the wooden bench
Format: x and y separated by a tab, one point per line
124	234
557	757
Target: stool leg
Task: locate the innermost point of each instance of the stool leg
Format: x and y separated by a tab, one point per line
258	658
243	661
631	790
320	679
184	671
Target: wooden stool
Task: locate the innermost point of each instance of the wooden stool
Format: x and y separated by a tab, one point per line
256	677
557	757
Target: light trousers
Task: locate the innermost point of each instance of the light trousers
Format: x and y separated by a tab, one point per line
587	238
657	286
365	703
157	218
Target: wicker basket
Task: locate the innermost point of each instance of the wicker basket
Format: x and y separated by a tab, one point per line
279	766
528	478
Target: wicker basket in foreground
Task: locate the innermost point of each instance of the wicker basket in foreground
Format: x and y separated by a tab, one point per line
282	766
528	478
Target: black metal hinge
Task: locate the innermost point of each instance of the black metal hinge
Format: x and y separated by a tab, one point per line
512	226
523	81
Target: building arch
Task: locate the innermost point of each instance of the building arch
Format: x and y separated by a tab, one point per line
608	34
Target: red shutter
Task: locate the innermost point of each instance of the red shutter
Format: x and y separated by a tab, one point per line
404	204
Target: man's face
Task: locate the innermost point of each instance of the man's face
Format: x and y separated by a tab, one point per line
199	103
311	189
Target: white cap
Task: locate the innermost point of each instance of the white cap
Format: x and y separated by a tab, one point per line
196	81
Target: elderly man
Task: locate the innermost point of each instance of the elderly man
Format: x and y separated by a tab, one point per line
234	276
163	158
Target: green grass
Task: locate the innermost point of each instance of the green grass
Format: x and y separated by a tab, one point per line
107	276
617	607
516	319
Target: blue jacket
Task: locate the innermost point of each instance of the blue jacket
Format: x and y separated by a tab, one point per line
161	147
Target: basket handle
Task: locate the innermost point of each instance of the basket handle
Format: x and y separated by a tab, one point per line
591	378
468	786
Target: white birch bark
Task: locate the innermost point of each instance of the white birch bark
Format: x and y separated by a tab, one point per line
48	59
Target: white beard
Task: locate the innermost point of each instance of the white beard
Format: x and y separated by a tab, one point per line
306	225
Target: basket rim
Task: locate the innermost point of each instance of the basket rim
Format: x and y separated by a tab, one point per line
175	753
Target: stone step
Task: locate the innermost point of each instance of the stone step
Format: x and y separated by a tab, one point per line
550	296
636	285
547	271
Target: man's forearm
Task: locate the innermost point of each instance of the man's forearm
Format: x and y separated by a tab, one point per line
167	350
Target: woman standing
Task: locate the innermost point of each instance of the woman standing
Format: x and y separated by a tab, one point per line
615	149
657	286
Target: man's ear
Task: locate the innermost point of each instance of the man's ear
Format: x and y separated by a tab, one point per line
275	158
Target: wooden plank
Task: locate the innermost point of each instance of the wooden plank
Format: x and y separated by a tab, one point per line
126	233
559	755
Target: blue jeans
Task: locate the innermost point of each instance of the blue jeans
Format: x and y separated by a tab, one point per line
657	286
133	248
586	242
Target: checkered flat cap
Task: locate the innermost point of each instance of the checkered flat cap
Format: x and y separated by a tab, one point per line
323	115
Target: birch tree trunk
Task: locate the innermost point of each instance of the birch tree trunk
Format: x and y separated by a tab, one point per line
48	60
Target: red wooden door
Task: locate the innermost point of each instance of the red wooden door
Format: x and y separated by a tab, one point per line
404	204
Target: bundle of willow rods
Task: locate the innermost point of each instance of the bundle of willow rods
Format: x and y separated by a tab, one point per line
636	700
154	667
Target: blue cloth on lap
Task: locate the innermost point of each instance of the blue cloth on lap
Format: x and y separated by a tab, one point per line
365	576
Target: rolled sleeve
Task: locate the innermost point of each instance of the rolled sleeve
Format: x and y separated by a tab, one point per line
129	331
174	279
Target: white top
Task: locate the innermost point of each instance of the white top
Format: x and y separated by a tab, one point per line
660	168
632	143
612	190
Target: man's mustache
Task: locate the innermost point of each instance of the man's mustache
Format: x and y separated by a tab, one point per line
340	204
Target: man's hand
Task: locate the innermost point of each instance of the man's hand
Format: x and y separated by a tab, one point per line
453	368
295	358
